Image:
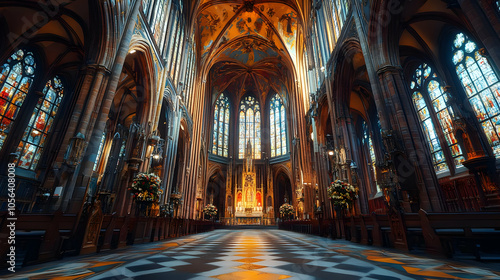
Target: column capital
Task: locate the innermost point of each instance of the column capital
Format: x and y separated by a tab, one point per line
389	69
448	88
483	52
344	117
97	68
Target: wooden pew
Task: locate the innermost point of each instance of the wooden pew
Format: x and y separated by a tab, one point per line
443	231
42	237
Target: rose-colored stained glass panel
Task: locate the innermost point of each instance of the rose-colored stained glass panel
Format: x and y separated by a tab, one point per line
41	124
16	77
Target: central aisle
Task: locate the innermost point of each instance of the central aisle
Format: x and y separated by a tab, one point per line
253	254
250	254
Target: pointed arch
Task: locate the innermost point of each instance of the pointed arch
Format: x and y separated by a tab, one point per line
16	76
367	142
220	135
481	84
249	127
428	93
40	126
278	130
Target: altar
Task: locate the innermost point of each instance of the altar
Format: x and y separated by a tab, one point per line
248	198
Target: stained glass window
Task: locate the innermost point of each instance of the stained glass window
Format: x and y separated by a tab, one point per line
159	19
178	60
277	122
249	129
192	71
99	151
428	92
145	6
481	86
220	144
368	141
16	77
173	32
338	10
498	5
31	146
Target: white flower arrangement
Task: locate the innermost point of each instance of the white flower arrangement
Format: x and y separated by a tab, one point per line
210	210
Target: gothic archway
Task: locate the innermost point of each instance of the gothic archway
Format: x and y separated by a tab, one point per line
179	164
282	191
216	193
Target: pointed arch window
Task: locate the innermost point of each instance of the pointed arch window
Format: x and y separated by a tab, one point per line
220	144
428	93
16	78
31	146
145	6
372	161
99	151
249	128
277	122
159	20
481	85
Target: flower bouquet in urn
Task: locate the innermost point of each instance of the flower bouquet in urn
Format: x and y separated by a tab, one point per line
146	188
342	194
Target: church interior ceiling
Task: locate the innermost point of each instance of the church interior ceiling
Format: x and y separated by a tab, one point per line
63	39
249	68
423	25
249	45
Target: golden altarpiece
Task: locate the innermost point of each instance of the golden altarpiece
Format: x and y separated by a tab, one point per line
249	197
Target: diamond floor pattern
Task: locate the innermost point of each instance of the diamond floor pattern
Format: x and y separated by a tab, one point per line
253	254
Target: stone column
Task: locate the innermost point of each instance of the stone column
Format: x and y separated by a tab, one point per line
413	163
355	172
91	88
172	142
362	30
99	113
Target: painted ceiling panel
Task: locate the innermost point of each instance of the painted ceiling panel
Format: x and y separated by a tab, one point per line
250	45
219	24
204	1
248	51
211	22
236	78
246	24
285	21
235	88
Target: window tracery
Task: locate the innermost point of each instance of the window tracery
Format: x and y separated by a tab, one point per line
99	151
16	77
159	20
40	125
277	122
481	85
220	140
368	142
249	128
428	92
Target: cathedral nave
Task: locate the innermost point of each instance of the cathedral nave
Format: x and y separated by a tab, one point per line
365	133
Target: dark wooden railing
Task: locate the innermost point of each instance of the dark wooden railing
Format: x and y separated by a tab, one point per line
45	237
475	235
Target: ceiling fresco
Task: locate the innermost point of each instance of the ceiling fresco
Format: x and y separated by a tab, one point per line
285	21
249	44
237	79
222	23
211	22
248	52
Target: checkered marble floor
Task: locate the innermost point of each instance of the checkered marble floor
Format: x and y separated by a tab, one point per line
253	254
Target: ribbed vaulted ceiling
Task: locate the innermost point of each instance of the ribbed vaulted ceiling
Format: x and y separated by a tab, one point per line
249	45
